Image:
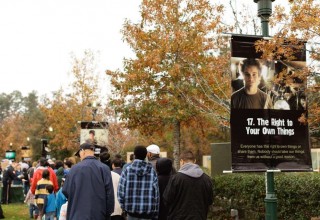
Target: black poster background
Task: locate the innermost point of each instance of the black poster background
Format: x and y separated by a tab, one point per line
263	139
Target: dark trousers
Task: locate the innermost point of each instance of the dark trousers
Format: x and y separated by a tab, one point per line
117	217
1	212
6	192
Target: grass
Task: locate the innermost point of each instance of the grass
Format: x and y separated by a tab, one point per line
16	211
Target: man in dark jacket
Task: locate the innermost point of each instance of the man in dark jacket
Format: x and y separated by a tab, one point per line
189	193
88	187
8	176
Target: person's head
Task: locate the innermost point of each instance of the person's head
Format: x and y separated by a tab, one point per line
43	162
140	152
116	163
46	174
118	156
58	164
68	164
251	71
92	133
85	150
153	150
34	164
131	158
49	188
51	163
73	160
187	157
17	166
164	166
104	157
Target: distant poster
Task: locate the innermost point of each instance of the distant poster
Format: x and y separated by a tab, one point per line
267	103
95	133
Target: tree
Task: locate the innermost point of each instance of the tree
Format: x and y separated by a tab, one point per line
176	72
21	118
299	24
63	111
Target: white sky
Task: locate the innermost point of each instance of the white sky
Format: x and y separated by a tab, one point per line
38	36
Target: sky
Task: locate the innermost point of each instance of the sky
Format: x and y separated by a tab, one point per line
37	38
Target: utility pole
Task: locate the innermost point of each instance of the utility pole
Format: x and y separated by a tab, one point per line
264	12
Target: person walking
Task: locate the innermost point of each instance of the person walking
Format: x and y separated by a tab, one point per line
164	170
8	176
138	190
189	193
116	166
41	192
37	175
60	199
117	214
153	155
33	208
49	207
88	187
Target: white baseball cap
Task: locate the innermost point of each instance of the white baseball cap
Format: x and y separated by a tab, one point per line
154	149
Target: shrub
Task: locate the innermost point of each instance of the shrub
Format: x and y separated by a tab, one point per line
298	195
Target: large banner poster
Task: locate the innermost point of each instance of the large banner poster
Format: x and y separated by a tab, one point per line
267	102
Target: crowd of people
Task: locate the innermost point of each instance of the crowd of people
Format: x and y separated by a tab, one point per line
148	187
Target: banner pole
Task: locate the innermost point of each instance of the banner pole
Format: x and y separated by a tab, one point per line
264	12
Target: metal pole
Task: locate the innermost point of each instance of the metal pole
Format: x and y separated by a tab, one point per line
264	12
271	198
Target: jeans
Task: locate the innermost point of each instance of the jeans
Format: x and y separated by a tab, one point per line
49	215
33	210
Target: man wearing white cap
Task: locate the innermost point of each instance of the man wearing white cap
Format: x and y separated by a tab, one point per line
153	154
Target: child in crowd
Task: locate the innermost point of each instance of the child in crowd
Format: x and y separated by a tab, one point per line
41	192
49	207
60	199
33	209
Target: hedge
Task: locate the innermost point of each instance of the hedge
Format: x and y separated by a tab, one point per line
298	195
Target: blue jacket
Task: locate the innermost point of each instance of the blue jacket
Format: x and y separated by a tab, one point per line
138	191
60	200
89	190
49	203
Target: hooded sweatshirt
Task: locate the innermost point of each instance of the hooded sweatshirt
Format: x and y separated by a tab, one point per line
191	169
164	169
188	194
138	191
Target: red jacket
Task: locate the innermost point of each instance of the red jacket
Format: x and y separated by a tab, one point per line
38	176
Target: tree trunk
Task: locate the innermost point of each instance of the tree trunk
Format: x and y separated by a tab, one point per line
176	144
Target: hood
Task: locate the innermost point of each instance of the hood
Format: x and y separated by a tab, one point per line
140	167
191	169
60	171
164	166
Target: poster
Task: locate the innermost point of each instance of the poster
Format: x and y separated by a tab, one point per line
268	102
95	133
